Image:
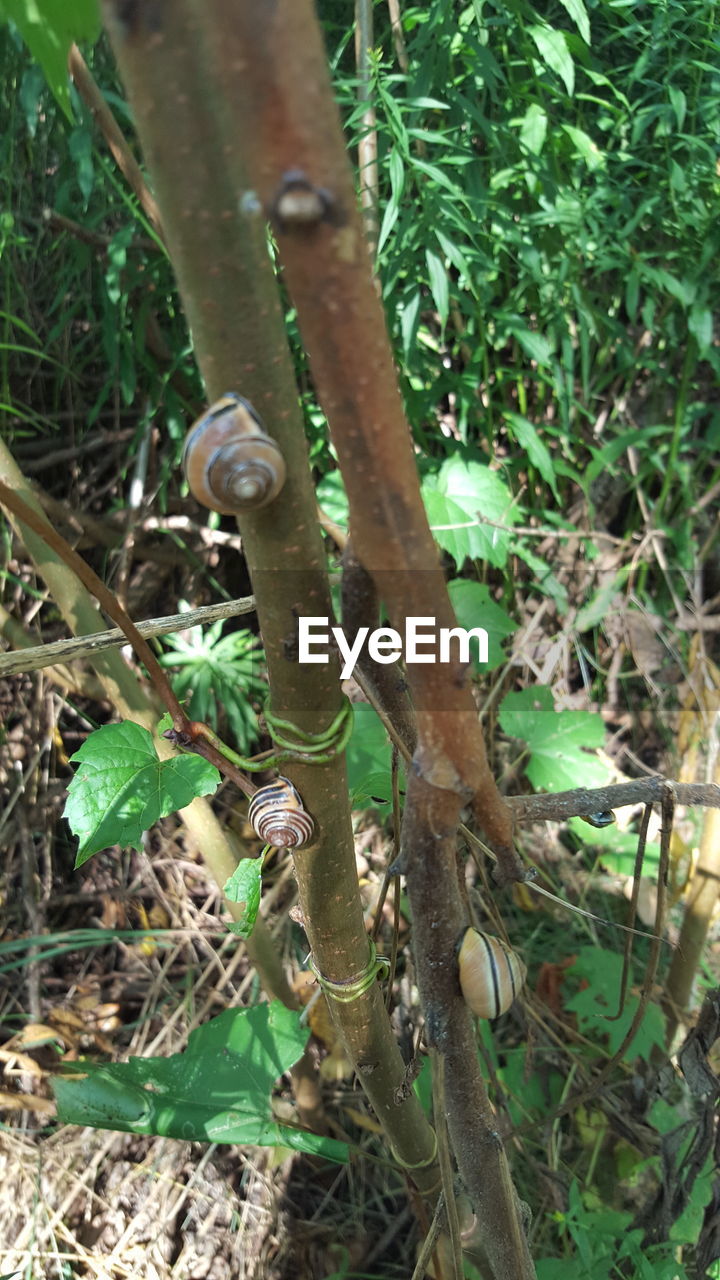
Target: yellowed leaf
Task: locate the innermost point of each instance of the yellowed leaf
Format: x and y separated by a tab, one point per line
32	1036
27	1102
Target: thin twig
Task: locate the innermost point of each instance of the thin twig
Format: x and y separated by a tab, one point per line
46	655
106	122
580	802
103	595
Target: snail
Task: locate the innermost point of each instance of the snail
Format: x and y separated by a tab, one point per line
231	463
278	816
603	819
491	974
298	203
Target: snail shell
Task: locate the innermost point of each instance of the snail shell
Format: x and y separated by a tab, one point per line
231	463
603	819
300	204
491	973
278	816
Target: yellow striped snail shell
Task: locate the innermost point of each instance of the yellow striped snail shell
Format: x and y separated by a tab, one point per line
231	463
279	817
491	973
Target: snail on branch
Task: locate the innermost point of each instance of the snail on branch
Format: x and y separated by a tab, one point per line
491	973
231	463
278	816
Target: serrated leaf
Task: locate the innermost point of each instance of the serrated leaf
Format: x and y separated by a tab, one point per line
602	970
458	496
560	742
245	885
218	1090
122	787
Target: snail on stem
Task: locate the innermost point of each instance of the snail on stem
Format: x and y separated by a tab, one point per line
491	973
231	463
278	815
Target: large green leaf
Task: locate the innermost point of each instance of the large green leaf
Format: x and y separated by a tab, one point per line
122	787
458	500
368	760
48	28
553	49
218	1090
474	607
561	744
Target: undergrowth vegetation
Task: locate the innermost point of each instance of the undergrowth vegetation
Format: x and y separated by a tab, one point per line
549	260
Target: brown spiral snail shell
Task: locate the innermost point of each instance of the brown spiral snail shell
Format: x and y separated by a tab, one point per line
278	816
491	973
231	463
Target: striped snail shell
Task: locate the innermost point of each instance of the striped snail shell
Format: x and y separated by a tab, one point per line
231	463
278	816
491	973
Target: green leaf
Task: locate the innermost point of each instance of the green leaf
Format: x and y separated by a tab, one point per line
537	451
602	970
409	312
683	290
553	49
122	787
559	742
679	103
579	15
597	609
545	580
368	759
700	324
533	129
437	276
333	499
245	885
535	345
48	28
585	147
218	1090
80	146
392	209
474	607
603	459
221	675
459	496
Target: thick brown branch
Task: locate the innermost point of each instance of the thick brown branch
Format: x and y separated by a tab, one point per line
180	80
328	272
